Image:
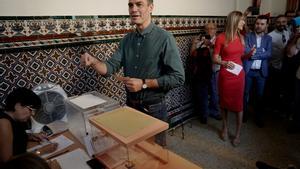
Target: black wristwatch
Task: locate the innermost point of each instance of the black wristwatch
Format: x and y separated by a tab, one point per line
144	86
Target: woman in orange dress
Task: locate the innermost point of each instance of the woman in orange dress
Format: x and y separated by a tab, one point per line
229	50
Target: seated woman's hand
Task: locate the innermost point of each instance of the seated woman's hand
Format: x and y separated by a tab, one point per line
49	148
37	136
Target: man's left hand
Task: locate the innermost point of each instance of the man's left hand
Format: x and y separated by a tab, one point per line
133	84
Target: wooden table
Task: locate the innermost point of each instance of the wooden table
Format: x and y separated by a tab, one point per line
134	130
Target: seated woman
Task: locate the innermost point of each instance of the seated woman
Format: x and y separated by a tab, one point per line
19	106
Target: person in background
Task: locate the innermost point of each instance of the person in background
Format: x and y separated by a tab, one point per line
295	124
151	62
246	29
20	105
291	71
228	53
280	36
214	109
204	75
256	67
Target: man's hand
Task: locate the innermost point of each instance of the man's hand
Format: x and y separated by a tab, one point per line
37	136
207	42
196	40
87	60
133	84
253	50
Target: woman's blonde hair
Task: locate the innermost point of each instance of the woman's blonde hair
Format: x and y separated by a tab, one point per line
231	27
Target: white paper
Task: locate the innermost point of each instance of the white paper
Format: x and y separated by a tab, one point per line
236	70
73	160
62	141
88	145
87	101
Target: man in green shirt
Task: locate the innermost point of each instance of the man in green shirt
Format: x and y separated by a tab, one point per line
151	62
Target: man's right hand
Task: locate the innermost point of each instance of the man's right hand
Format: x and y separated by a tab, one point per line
87	60
253	50
196	40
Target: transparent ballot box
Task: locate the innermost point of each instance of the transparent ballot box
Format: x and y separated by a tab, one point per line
124	139
83	106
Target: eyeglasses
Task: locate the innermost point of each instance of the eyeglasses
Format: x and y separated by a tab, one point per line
32	110
283	38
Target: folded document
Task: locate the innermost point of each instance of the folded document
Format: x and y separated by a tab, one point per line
236	70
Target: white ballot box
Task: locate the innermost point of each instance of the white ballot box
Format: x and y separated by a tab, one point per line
83	106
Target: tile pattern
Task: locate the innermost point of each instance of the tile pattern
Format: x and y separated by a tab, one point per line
16	34
60	66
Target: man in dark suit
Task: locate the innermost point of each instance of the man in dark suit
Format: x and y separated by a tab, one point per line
256	67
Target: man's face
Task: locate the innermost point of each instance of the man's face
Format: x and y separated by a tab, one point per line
211	30
260	25
281	23
140	11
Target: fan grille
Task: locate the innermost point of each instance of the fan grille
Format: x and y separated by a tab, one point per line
53	107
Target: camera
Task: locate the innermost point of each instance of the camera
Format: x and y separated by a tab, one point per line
207	36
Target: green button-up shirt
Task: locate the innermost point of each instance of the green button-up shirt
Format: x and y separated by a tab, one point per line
151	54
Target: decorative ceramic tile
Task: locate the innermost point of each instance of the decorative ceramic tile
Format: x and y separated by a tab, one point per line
15	34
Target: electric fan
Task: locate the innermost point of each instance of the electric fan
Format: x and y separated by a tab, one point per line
53	105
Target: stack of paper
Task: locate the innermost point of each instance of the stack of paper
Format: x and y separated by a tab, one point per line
73	160
87	101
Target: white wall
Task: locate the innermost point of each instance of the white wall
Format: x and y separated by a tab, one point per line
275	7
119	7
194	7
62	7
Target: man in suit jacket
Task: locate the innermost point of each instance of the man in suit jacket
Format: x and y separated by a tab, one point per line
256	67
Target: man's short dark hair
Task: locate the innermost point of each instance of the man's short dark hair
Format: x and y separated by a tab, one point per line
263	17
280	16
24	96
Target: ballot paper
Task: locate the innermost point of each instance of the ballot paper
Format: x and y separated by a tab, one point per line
87	101
73	160
62	141
89	145
236	70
